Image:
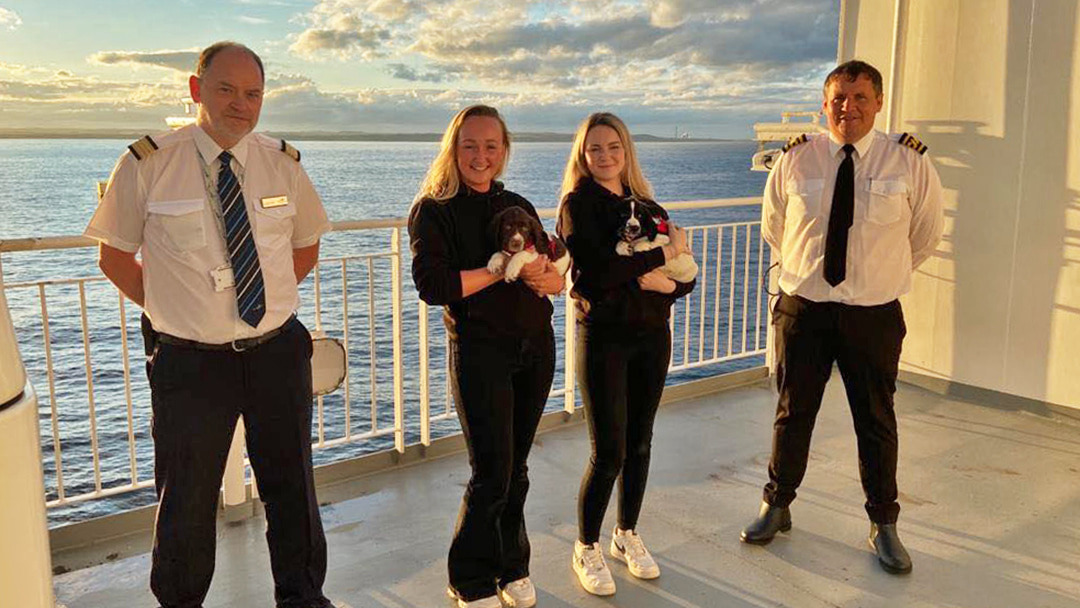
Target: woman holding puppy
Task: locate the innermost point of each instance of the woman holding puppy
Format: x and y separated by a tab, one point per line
502	353
623	340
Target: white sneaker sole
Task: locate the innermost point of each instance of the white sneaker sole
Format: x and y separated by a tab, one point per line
600	592
512	603
635	572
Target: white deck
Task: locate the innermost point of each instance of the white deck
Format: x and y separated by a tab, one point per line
990	513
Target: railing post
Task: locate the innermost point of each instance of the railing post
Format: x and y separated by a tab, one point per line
774	287
395	294
234	490
569	328
425	387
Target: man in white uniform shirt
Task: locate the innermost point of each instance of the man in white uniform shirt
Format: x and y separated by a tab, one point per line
227	223
852	214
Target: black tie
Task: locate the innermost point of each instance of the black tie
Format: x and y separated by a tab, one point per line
840	219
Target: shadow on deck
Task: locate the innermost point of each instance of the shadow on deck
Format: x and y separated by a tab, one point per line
990	513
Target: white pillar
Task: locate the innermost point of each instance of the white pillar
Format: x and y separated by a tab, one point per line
25	561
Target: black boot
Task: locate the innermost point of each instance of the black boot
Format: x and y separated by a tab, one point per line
769	521
890	551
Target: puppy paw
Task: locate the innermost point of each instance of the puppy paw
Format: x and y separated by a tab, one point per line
623	248
497	263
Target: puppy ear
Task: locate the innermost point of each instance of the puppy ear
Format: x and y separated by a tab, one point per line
539	237
494	229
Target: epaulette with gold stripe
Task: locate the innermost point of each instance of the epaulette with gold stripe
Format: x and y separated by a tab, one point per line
912	142
287	148
794	141
143	148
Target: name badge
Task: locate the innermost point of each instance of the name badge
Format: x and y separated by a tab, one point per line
223	277
270	202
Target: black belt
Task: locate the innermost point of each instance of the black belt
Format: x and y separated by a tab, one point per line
236	345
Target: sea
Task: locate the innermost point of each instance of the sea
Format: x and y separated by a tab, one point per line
49	189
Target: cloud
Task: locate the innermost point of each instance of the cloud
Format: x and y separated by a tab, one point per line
405	72
252	20
560	44
9	18
340	34
182	61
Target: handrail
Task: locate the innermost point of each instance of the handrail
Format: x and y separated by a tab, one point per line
74	241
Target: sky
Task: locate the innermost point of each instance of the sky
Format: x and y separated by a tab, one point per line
707	67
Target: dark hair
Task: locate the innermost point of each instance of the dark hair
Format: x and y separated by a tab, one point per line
211	51
851	70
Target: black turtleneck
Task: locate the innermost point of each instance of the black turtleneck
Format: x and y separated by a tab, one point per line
449	236
605	283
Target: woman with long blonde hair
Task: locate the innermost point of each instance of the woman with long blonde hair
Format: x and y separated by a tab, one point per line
502	352
623	342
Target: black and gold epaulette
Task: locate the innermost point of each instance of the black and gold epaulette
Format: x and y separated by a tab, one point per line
143	148
794	141
912	142
287	148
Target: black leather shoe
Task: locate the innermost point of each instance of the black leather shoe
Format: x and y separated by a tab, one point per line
885	541
769	521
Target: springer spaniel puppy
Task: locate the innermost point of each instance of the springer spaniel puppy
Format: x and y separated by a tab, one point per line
520	239
642	232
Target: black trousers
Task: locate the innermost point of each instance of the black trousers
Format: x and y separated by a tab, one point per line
197	396
865	343
621	374
500	387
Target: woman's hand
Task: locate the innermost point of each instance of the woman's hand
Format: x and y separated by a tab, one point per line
677	244
654	280
542	277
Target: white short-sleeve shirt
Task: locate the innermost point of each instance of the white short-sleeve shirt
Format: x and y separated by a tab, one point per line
162	207
897	225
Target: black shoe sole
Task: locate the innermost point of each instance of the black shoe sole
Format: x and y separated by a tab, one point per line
763	541
894	570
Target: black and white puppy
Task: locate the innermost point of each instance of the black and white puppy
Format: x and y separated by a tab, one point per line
521	239
641	231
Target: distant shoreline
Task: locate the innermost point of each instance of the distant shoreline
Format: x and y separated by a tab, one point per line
129	134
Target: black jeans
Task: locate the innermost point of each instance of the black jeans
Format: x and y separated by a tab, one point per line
197	396
621	374
865	343
500	387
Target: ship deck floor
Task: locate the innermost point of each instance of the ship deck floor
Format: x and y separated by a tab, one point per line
990	513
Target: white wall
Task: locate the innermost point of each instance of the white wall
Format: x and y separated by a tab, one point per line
993	88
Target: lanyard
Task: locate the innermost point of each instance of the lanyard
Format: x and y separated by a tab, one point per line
212	193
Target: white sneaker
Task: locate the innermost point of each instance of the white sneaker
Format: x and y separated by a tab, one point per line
491	601
592	571
626	546
519	594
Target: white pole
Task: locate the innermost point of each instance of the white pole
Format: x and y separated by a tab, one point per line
234	488
894	67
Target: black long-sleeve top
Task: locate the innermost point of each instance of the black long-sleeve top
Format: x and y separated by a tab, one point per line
449	236
605	283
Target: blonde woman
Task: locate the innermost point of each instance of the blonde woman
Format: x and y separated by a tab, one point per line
502	352
623	341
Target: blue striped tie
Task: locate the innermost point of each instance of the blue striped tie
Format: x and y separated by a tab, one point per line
250	291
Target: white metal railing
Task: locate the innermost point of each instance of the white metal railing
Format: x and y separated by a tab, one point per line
721	321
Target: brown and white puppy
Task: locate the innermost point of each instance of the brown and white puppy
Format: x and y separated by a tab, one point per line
521	239
640	231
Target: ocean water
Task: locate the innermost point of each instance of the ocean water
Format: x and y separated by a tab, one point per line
48	190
